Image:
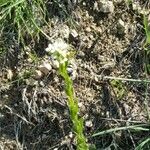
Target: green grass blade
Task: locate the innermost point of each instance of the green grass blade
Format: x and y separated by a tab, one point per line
134	127
11	6
147	30
4	2
142	144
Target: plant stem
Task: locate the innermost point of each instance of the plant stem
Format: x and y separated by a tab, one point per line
73	108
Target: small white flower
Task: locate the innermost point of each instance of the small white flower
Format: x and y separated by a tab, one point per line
59	51
59	45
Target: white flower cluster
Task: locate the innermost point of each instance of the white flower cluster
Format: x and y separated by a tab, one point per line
59	51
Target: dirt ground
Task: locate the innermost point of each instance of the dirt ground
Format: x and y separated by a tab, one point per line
34	113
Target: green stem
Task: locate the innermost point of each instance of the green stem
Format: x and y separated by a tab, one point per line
73	108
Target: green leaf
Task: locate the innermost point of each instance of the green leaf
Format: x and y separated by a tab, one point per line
143	144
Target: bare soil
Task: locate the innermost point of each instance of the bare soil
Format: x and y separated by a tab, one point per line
34	113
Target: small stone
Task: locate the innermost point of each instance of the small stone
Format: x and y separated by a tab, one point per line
99	30
80	104
118	1
82	107
35	83
96	6
45	68
65	31
89	124
121	26
90	43
100	58
81	54
135	5
9	74
38	74
88	29
84	3
109	65
96	78
41	83
71	135
91	37
56	79
106	6
121	23
74	33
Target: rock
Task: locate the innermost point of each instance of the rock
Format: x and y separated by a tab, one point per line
45	68
89	124
80	104
71	135
65	31
121	27
105	6
56	79
88	29
74	33
100	58
41	83
90	43
38	74
82	107
9	74
96	78
73	36
81	53
96	6
118	1
99	30
109	65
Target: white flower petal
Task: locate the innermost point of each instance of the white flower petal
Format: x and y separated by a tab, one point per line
58	47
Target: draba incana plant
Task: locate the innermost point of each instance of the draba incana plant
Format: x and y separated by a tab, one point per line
61	52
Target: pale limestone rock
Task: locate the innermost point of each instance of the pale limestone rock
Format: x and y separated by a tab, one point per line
9	74
45	68
38	74
104	6
89	124
121	26
65	31
74	33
